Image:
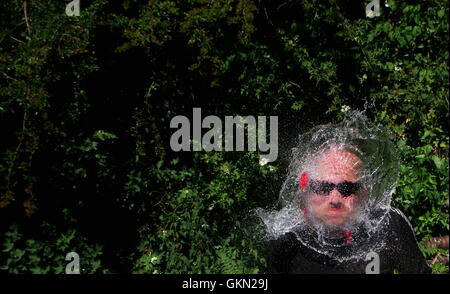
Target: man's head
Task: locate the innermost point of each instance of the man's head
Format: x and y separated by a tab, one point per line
335	188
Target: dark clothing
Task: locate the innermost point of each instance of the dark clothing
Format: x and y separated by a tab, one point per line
398	250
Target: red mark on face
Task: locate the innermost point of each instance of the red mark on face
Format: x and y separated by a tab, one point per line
303	180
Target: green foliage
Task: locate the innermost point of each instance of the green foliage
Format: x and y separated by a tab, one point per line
422	189
186	237
88	102
430	254
46	255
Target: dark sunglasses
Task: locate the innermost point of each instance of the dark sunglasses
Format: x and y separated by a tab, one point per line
346	188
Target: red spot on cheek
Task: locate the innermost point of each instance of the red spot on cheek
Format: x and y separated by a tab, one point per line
303	180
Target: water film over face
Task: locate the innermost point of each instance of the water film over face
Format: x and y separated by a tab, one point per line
338	184
334	187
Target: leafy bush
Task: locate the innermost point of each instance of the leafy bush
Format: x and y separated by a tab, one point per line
86	164
47	254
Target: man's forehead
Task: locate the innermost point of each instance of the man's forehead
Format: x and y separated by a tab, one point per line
339	164
339	156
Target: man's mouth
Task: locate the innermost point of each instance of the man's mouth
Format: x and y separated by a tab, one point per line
335	211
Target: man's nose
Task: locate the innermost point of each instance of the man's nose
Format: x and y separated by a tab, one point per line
335	196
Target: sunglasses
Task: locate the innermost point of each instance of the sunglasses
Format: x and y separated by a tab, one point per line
346	188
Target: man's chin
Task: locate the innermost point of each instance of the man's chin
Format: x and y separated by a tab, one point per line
334	219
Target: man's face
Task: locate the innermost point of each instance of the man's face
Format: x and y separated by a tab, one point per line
335	167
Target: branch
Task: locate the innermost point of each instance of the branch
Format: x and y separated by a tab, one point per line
9	77
26	17
366	57
298	86
9	32
22	136
16	39
267	15
437	242
435	258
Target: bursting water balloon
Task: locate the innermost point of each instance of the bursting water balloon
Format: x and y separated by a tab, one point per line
337	190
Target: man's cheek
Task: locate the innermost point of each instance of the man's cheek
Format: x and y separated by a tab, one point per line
349	202
318	201
318	207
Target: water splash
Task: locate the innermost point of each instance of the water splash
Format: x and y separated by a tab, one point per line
338	187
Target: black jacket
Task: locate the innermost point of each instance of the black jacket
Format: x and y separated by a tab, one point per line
398	251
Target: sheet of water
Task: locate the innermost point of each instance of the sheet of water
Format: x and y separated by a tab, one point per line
351	149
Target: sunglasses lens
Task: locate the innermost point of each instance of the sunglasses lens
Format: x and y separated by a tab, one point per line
322	188
348	188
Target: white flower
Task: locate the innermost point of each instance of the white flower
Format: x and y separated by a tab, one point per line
397	68
345	108
154	259
263	161
155	272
